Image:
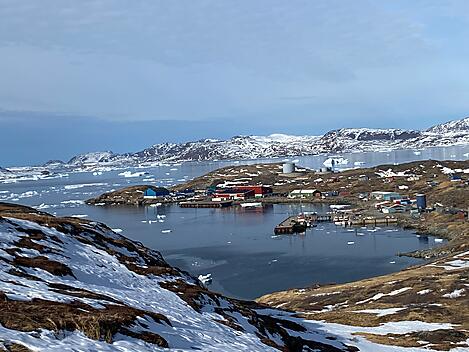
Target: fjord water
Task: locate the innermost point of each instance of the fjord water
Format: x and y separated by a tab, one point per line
238	246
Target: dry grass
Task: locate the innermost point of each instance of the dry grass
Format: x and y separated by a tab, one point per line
440	340
340	303
98	324
44	263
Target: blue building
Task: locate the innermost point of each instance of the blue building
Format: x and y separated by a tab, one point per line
152	193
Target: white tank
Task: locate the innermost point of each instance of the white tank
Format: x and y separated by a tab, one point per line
288	168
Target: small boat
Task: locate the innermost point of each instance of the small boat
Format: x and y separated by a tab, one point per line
251	205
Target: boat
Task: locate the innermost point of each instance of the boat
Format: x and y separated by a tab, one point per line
251	205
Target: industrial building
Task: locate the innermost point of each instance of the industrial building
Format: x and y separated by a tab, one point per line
305	193
259	190
288	168
389	196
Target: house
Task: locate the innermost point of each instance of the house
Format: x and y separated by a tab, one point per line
405	201
331	194
396	208
413	178
305	193
363	178
363	195
379	195
155	192
455	178
259	190
432	183
382	204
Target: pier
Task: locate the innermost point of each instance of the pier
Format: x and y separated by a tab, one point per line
299	223
206	204
290	225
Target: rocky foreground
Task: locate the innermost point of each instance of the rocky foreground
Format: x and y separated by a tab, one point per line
72	284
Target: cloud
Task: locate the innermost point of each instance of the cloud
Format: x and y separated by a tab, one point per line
326	38
219	59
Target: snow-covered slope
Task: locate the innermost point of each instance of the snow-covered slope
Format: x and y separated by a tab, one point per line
67	284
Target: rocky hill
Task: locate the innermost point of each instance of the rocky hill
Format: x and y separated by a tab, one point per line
280	145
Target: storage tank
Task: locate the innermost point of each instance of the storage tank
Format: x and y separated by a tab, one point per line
421	201
288	168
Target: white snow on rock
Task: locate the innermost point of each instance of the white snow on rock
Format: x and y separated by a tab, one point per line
98	271
455	293
380	312
381	295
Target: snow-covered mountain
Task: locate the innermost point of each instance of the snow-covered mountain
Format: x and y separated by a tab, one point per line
452	127
238	147
281	145
272	146
352	139
92	158
73	285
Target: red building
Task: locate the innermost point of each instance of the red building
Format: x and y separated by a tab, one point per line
259	190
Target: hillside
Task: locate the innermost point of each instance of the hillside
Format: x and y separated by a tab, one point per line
72	284
68	283
433	293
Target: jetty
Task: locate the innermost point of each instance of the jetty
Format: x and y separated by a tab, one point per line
290	225
299	223
206	204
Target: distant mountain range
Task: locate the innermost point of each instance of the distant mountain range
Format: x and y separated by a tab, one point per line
281	145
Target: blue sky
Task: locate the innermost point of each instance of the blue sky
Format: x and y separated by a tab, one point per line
120	75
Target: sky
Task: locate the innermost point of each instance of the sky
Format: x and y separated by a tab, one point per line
85	75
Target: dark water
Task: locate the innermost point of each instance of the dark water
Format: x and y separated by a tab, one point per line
237	246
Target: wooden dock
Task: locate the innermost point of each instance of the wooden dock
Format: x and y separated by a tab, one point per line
290	225
299	223
206	204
